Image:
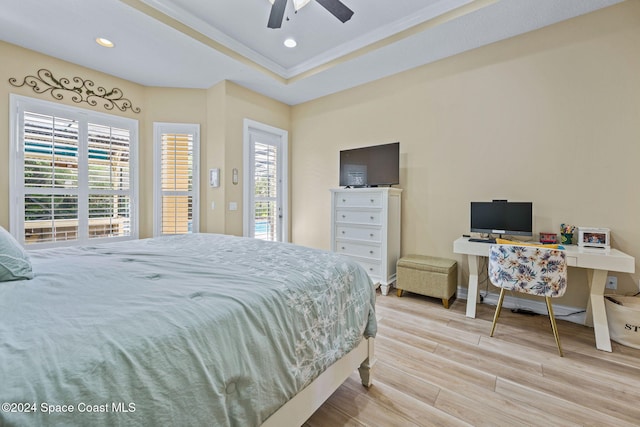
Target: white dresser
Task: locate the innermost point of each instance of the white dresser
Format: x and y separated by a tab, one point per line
365	225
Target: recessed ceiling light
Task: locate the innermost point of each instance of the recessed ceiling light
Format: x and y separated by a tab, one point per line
290	42
104	42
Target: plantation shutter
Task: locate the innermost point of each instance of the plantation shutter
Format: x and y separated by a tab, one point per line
266	191
177	179
109	186
51	186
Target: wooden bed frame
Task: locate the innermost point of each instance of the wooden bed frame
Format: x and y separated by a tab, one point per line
298	410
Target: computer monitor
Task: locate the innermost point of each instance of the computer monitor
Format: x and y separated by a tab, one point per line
502	217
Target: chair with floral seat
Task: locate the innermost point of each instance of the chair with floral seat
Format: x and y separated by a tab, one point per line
529	269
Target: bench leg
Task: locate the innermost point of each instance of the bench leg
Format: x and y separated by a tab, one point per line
446	302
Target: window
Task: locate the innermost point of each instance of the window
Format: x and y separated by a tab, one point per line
73	177
176	183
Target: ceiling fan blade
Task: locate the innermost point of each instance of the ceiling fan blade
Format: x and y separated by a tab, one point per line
277	14
337	9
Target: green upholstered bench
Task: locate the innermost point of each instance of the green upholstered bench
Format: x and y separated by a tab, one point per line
427	275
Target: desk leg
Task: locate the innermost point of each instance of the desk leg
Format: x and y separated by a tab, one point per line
472	291
596	312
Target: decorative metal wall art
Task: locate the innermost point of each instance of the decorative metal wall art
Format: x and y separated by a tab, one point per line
81	90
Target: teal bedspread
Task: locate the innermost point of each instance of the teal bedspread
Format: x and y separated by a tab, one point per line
200	329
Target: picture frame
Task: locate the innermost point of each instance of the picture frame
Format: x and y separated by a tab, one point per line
591	237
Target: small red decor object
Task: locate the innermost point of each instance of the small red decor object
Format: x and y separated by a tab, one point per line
548	238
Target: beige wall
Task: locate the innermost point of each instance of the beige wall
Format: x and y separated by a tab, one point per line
243	103
551	117
213	156
171	106
219	110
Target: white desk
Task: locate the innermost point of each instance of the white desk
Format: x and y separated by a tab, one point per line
598	263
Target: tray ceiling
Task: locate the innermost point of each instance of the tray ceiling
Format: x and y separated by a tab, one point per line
198	43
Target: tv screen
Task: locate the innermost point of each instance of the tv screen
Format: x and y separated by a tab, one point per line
513	218
370	166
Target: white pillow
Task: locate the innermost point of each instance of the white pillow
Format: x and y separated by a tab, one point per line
14	261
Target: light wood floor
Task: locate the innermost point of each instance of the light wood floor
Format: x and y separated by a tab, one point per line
438	367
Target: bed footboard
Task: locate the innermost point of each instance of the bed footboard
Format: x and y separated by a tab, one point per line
297	410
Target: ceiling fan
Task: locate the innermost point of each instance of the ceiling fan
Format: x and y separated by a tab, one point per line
335	7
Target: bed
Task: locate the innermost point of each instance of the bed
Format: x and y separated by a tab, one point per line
200	329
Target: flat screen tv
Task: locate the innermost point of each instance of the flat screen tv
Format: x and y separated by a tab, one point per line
373	166
502	217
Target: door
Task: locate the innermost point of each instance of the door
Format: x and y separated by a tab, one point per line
265	182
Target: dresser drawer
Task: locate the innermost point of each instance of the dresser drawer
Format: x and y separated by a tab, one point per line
371	268
369	234
358	200
358	249
359	216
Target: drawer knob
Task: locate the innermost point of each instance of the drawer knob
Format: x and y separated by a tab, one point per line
372	200
371	217
344	216
343	232
370	268
343	248
371	252
371	235
344	200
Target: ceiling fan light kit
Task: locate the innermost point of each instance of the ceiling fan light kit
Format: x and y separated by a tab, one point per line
335	7
297	4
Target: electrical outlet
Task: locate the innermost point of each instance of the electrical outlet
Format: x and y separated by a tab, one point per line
612	282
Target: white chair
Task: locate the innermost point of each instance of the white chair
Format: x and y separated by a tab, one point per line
529	269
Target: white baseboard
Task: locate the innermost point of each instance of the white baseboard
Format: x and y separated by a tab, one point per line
561	312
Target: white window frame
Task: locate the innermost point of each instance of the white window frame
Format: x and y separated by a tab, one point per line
160	128
18	105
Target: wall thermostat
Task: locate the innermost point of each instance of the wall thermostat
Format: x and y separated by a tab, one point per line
214	177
